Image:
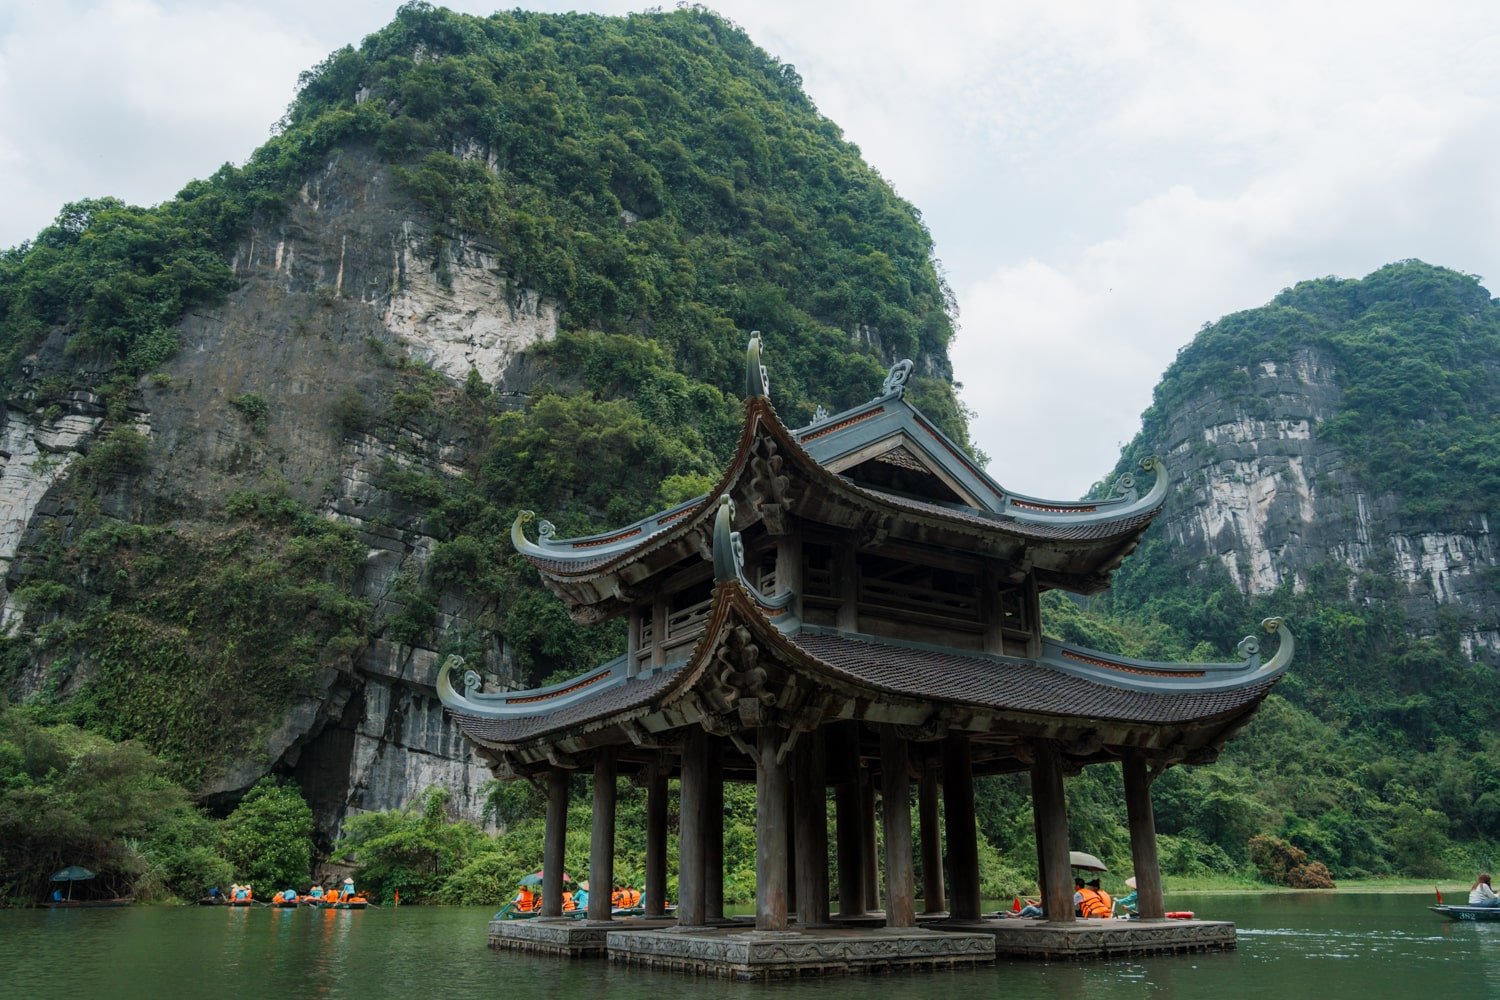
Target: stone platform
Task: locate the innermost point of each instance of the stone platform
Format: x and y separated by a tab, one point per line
565	937
750	955
1084	939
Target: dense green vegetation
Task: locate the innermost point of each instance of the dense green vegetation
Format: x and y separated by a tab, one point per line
192	642
72	797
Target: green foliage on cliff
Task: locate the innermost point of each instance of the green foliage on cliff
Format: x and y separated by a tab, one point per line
268	838
194	643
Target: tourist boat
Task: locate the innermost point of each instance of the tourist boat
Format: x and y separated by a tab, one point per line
241	902
282	902
1458	911
77	904
329	903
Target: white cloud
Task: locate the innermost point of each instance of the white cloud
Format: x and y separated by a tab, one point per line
1101	178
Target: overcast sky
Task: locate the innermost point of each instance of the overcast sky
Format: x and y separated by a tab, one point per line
1100	179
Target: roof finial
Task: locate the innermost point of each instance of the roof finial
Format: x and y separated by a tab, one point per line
895	379
757	379
729	551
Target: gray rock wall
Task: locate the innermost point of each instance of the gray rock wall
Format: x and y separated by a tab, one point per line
1264	495
330	297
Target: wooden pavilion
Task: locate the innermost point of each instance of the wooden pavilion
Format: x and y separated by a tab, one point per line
854	606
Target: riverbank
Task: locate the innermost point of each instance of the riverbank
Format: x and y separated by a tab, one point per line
1224	886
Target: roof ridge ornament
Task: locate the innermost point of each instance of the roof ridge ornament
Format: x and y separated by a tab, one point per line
896	378
729	559
757	378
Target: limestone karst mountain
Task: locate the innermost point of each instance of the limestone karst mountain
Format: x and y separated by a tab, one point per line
261	441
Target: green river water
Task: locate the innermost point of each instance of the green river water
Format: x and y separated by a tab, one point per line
1290	945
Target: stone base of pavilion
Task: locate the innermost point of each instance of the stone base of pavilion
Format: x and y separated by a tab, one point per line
1087	939
566	938
751	955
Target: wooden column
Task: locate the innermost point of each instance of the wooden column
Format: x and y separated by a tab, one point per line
713	831
1051	807
848	803
846	586
690	831
789	569
633	644
658	632
656	840
554	841
963	832
791	832
602	841
1142	820
895	792
770	831
933	899
870	852
810	822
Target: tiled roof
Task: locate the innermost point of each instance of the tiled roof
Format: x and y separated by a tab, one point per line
1085	531
1010	684
1014	685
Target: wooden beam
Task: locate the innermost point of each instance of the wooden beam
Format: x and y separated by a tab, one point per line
554	842
602	839
895	791
1142	821
1051	806
770	831
870	852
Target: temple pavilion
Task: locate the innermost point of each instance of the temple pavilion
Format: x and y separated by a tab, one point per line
853	608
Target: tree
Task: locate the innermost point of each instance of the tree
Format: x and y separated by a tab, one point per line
268	838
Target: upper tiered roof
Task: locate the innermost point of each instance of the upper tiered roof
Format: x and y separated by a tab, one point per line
881	467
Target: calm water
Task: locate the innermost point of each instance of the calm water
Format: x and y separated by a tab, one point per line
1291	945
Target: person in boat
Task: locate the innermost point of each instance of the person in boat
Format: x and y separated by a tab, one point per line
214	893
581	896
316	892
569	903
1033	908
525	900
1127	903
1482	893
1091	900
289	895
348	892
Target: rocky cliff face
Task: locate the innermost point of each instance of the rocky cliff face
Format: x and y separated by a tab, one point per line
1263	493
335	298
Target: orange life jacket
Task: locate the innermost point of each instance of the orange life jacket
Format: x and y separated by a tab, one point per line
1096	903
568	905
635	897
525	900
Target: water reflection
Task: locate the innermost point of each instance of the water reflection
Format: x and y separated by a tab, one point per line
1291	945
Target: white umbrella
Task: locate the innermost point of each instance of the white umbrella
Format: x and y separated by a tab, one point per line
1078	859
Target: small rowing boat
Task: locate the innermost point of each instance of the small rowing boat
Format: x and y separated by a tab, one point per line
1455	911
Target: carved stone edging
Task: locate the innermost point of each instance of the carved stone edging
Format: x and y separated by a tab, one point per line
1103	939
754	955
